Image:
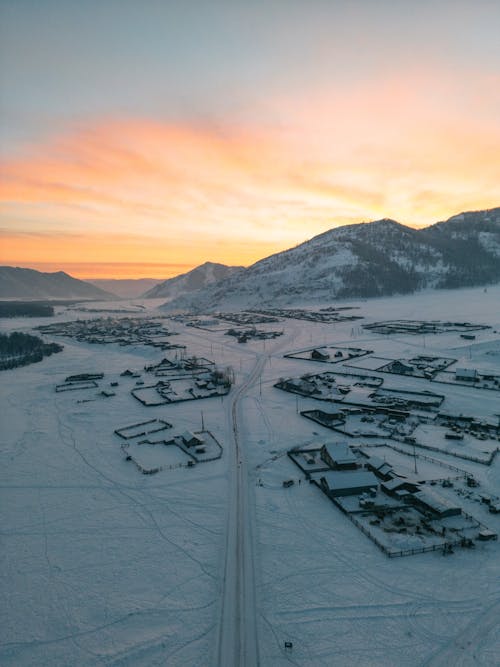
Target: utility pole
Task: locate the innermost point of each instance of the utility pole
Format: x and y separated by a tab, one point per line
202	421
415	458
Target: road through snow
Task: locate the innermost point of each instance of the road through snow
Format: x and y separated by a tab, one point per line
237	639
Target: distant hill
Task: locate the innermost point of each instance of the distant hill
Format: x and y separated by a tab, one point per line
125	288
198	278
30	284
370	259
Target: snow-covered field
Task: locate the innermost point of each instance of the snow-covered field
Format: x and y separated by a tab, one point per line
104	566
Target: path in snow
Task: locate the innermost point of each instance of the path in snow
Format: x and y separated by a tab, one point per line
237	640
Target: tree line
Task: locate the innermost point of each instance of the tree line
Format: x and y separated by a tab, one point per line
20	349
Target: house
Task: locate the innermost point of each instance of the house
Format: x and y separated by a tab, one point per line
107	394
191	440
402	368
430	501
486	534
399	488
379	467
318	355
337	483
339	456
453	436
307	386
466	374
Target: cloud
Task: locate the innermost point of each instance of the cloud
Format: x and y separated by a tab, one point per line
417	146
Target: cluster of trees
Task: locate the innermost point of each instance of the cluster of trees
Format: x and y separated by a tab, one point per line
25	309
376	275
20	349
223	378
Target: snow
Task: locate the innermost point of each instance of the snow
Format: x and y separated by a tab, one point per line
218	564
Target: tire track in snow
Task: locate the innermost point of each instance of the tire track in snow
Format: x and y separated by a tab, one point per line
237	639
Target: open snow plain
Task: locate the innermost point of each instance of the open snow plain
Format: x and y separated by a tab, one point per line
218	564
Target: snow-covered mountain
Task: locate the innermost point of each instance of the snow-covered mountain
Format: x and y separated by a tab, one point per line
125	288
365	260
198	278
30	284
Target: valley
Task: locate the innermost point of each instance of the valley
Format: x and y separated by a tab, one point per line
209	558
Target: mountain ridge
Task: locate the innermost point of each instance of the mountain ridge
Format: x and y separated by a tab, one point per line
201	276
367	259
21	283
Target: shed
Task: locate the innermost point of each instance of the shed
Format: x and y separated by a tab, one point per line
486	534
107	394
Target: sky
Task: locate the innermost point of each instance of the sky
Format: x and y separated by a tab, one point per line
142	138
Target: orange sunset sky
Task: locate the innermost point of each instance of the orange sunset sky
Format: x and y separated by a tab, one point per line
142	139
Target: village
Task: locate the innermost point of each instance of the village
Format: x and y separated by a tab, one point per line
364	453
379	472
382	469
146	443
423	327
393	502
124	331
149	444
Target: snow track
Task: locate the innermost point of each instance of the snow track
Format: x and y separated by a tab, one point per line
237	639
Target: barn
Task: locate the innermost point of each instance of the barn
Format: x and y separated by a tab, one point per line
337	483
430	501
